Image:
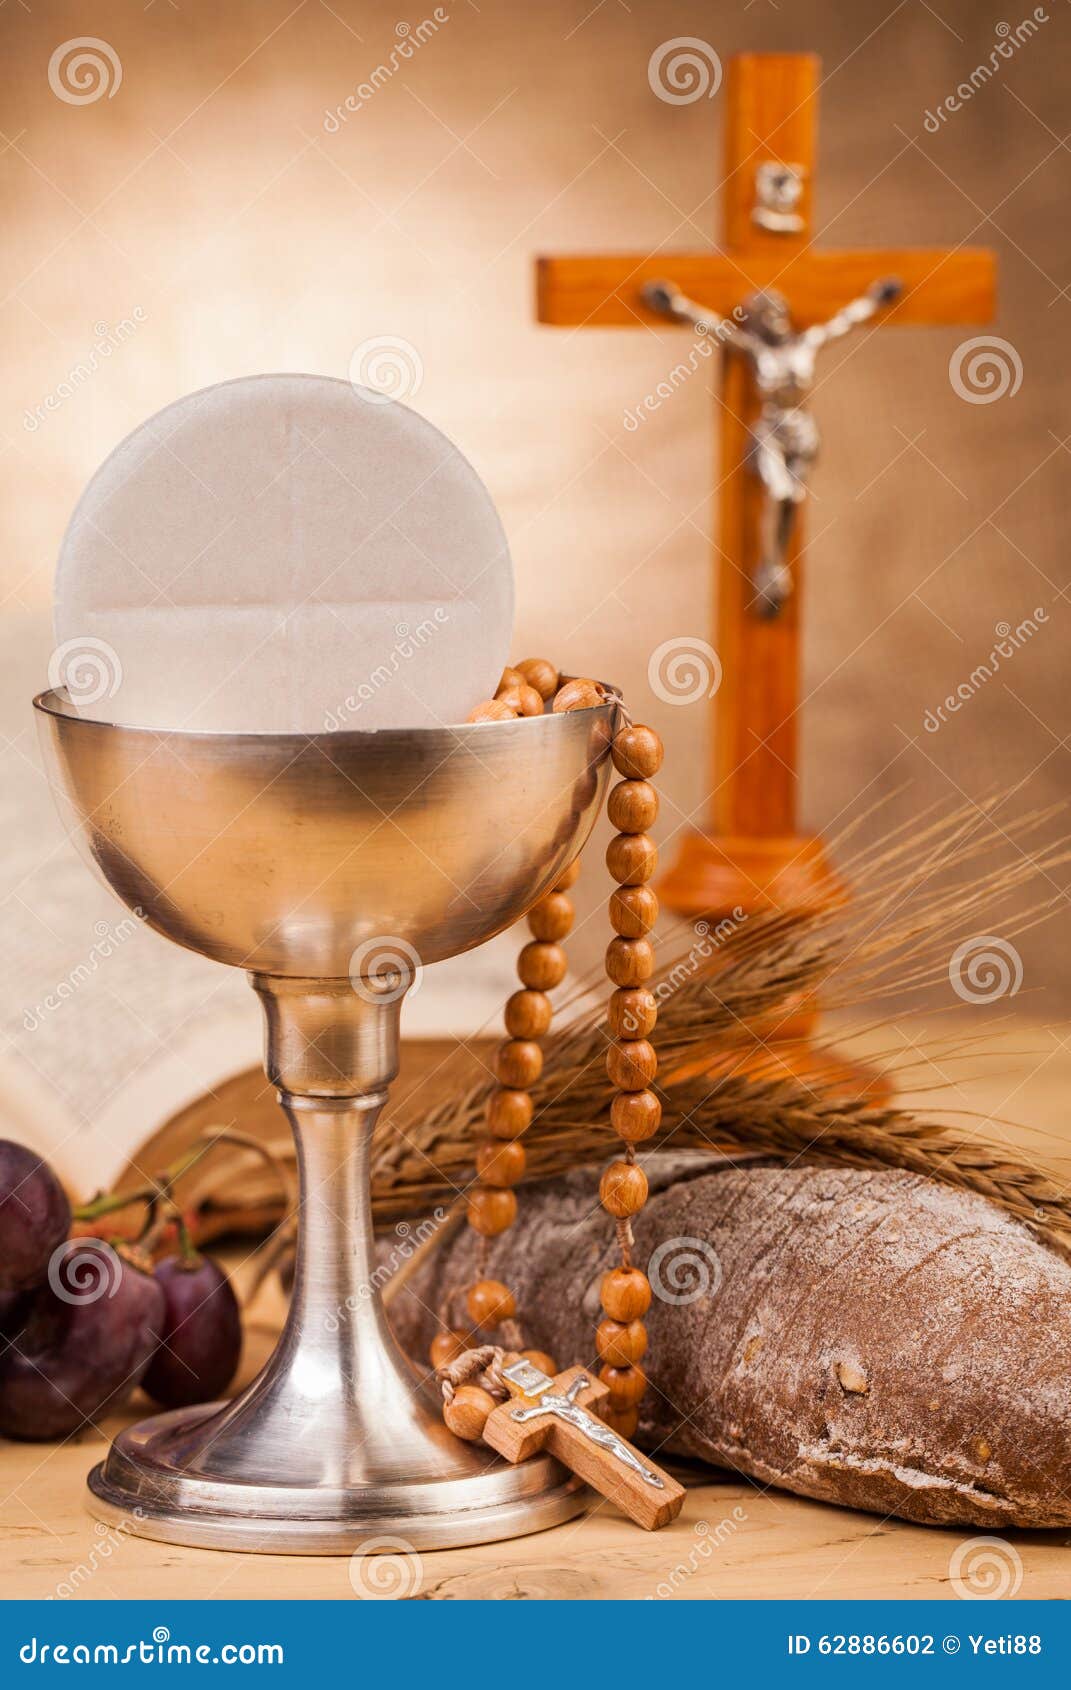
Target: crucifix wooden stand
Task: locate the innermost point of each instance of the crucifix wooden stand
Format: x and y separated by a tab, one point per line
751	854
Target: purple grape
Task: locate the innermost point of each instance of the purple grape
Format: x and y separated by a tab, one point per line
201	1341
83	1344
35	1217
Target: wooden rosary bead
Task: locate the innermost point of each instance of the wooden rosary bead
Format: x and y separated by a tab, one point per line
552	917
623	1189
518	1063
467	1415
635	1115
631	858
542	966
576	695
501	1163
544	1362
629	962
509	1113
632	806
632	1012
624	1421
527	1015
633	911
569	876
625	1294
489	1301
492	710
511	680
632	1064
637	752
491	1210
626	1385
621	1345
447	1346
541	674
523	700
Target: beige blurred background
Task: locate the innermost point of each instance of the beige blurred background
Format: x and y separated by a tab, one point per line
211	219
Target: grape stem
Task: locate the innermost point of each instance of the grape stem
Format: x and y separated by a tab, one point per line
110	1202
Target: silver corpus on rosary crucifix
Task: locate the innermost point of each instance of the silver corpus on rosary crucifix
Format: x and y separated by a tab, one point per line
784	439
564	1406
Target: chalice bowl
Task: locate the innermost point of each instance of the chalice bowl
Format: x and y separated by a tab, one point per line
296	857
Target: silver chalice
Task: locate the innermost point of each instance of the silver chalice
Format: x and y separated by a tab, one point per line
291	856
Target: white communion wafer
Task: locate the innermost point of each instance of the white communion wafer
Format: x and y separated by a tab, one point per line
283	553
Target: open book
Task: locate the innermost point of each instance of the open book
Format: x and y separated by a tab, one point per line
115	1045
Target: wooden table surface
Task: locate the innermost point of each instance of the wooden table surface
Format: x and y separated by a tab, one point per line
731	1540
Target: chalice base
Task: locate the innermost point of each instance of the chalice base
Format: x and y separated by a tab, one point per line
147	1486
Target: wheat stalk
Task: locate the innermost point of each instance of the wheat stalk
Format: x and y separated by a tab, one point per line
722	999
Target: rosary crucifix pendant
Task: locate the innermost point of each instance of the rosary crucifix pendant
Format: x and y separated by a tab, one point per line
784	438
556	1415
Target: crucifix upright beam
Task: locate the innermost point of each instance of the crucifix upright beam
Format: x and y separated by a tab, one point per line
751	853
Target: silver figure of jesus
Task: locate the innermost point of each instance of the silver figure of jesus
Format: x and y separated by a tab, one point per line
596	1431
784	438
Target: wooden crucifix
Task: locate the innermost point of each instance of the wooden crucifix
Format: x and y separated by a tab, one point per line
563	1415
751	854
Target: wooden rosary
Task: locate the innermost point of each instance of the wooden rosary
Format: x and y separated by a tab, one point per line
483	1383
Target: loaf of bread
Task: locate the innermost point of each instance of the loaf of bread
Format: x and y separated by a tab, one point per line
867	1338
